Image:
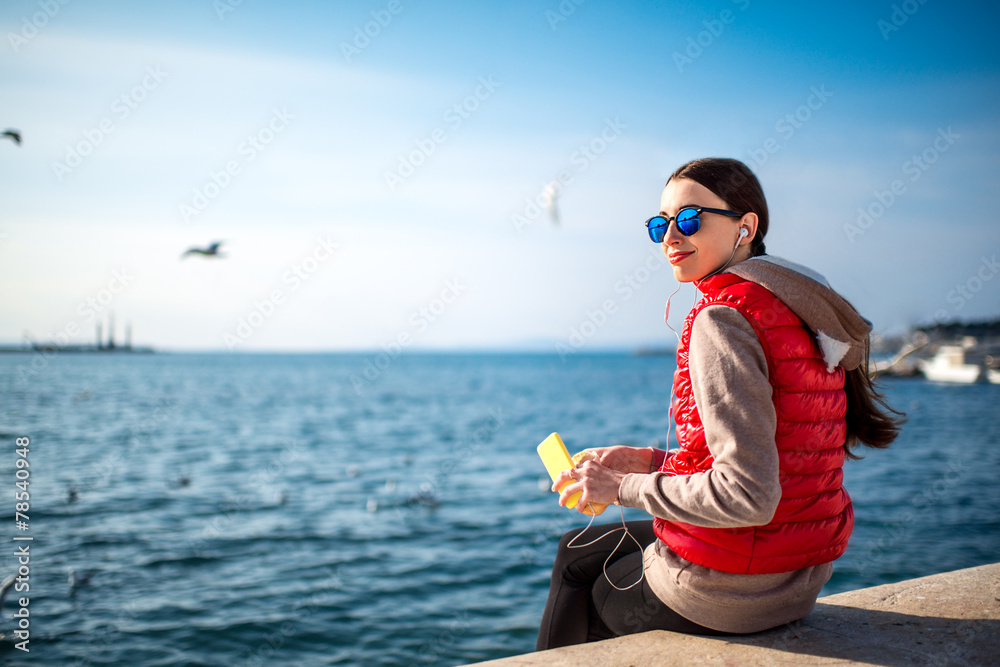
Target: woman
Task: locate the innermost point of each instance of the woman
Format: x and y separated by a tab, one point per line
771	394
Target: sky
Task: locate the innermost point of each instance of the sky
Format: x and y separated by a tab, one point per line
374	168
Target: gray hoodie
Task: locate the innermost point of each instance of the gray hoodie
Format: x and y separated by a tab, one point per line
731	389
841	332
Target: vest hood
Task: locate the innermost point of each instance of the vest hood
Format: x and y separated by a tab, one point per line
840	330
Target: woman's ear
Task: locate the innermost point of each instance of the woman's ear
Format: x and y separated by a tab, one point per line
749	223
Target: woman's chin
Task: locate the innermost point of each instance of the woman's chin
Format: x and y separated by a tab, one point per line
682	276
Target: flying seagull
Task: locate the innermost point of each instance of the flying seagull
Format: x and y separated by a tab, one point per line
210	251
79	579
550	193
13	135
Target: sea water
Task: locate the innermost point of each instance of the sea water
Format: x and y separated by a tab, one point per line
217	509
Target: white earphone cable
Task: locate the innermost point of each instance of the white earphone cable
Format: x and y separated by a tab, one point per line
593	516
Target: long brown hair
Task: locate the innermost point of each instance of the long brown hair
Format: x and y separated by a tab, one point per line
870	419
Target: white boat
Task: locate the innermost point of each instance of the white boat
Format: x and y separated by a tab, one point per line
948	365
993	375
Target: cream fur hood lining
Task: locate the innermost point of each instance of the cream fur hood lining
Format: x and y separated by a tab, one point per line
840	331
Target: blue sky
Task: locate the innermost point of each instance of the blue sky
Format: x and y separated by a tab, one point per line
255	126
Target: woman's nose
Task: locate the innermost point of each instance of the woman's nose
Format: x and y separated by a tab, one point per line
673	235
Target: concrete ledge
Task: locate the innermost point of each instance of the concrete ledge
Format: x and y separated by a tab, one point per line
945	619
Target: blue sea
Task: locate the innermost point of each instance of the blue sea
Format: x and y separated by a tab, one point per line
351	509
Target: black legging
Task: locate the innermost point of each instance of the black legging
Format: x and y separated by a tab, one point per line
583	606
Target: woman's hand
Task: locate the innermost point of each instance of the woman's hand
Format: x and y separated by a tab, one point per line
625	459
598	483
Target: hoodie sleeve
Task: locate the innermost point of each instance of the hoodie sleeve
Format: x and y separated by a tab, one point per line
731	389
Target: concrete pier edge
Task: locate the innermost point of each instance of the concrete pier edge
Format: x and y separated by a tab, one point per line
943	619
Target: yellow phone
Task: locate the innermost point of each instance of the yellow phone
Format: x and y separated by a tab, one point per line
556	458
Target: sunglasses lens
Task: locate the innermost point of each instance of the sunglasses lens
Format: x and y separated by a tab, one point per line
657	228
688	221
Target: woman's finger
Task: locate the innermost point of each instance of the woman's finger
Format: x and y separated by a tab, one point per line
564	477
568	492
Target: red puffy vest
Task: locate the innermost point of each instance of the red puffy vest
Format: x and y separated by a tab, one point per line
814	517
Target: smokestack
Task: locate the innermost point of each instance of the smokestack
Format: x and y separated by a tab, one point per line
100	334
111	331
128	336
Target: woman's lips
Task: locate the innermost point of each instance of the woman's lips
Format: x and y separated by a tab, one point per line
678	256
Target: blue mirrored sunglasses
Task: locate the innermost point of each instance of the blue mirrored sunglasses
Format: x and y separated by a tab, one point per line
688	221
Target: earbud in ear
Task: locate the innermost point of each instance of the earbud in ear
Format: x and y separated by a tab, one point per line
744	233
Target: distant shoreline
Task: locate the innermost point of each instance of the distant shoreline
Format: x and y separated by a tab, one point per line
75	349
